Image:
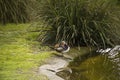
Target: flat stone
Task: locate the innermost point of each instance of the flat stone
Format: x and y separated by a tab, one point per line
55	65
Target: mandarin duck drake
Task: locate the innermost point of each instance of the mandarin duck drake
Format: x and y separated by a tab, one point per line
62	47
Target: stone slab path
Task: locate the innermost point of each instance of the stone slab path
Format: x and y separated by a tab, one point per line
54	65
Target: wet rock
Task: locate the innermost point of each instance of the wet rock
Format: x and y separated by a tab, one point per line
64	74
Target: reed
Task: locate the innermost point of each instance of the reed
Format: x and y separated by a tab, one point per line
81	22
13	11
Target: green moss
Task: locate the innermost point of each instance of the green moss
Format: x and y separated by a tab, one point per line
20	56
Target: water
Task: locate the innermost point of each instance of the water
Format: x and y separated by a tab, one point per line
94	66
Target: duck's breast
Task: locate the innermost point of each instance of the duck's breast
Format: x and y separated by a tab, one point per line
64	51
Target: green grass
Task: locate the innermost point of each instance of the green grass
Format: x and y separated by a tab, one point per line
20	53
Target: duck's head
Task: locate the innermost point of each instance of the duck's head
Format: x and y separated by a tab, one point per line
63	42
58	44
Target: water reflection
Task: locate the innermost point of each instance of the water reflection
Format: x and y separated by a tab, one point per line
94	66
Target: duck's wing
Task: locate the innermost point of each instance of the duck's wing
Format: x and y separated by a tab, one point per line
60	49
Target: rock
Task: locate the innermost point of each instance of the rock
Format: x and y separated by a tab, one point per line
54	66
104	51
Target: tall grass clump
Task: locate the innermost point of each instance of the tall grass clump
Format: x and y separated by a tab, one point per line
81	22
13	11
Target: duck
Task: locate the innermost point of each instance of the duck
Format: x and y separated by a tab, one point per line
62	47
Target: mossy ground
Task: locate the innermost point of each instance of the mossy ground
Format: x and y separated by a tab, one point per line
20	53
